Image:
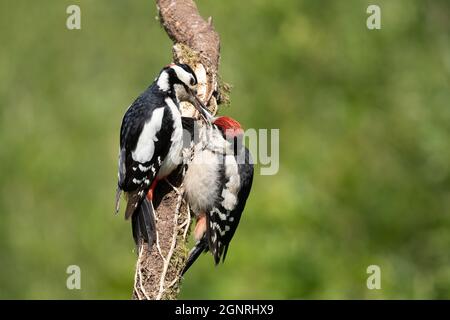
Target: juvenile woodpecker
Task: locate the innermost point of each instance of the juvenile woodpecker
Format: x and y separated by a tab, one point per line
151	143
217	184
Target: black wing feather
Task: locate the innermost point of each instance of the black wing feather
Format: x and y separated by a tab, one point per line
132	179
219	236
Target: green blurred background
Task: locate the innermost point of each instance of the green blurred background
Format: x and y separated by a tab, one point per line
364	124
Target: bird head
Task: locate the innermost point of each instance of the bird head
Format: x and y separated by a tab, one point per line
180	79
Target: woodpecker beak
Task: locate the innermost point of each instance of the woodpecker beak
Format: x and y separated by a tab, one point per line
204	113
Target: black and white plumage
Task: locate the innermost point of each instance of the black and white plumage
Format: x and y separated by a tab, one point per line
217	184
151	143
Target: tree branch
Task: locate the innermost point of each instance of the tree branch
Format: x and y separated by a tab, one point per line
184	25
197	44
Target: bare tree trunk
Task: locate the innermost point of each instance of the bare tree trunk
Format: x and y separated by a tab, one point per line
197	44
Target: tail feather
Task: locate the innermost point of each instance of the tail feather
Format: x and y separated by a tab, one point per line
138	227
143	224
225	253
200	246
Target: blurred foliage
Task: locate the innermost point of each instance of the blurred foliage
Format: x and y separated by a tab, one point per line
364	124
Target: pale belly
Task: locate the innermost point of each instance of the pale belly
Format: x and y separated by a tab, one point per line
201	181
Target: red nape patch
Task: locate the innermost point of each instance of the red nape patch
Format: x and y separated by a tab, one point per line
229	126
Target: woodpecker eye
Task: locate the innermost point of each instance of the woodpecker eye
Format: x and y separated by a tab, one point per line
193	82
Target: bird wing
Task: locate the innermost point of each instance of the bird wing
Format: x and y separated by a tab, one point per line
144	143
223	218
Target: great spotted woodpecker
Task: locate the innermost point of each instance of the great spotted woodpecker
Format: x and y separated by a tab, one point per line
151	141
217	184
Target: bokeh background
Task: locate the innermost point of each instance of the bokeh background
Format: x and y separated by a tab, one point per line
364	123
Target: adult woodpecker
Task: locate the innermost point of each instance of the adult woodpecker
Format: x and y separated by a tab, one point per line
217	184
151	141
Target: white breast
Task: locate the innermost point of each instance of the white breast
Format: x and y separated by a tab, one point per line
201	181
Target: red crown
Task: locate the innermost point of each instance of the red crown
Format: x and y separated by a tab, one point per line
229	126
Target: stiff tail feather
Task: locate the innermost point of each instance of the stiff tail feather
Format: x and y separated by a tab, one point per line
143	224
200	246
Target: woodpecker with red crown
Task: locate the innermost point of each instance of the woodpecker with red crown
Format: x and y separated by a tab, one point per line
217	184
151	141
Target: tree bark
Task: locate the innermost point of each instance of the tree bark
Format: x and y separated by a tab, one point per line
196	43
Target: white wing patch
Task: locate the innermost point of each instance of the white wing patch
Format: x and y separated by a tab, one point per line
145	146
173	158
